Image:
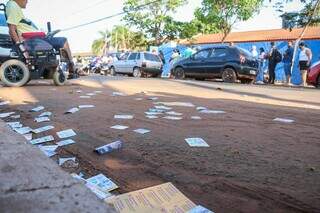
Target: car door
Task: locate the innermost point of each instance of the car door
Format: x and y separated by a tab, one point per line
197	64
130	63
216	61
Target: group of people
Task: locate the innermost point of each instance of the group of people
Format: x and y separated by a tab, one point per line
274	57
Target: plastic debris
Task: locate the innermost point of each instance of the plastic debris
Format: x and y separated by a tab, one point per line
284	120
173	118
37	109
196	142
42	119
7	114
119	127
102	183
85	97
200	209
182	104
86	106
125	117
28	137
78	176
42	140
72	110
206	111
49	151
66	133
142	131
66	142
23	130
4	103
174	113
109	147
15	116
100	194
42	129
45	114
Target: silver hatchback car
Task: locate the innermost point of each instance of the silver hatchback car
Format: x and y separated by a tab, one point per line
138	64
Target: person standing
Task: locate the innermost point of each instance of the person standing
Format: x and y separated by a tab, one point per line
287	61
305	58
262	62
274	58
254	52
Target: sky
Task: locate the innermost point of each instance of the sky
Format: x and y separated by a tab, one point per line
67	13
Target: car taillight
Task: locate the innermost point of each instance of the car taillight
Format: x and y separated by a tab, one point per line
144	64
242	59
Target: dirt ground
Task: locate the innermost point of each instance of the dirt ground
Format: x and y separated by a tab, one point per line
253	164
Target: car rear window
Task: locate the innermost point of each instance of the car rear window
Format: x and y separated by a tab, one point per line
220	52
3	22
132	56
203	54
151	57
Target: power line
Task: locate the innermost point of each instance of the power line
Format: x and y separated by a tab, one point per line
108	17
89	7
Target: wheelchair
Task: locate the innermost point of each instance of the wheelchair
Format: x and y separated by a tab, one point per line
43	61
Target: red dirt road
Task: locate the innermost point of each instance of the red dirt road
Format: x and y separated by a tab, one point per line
253	164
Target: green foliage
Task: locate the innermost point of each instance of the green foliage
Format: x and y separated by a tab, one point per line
221	15
99	45
153	20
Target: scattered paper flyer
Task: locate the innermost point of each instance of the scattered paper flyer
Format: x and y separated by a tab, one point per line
14	125
103	183
196	142
157	110
28	137
72	110
37	109
182	104
200	209
15	116
153	113
283	120
85	97
4	103
86	106
125	117
142	131
66	133
206	111
7	114
23	130
42	119
100	194
66	142
174	113
45	114
63	160
162	198
49	151
79	91
196	118
42	129
163	107
173	118
109	147
118	94
90	94
153	98
152	116
201	108
42	140
119	127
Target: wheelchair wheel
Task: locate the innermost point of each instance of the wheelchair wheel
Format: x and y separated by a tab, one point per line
14	73
59	78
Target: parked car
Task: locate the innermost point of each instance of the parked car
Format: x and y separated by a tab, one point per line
314	75
229	63
137	64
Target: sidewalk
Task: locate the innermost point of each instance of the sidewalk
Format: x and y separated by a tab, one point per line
31	182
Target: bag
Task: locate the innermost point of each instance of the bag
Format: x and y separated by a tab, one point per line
278	56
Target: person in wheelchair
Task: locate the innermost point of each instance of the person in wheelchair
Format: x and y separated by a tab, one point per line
18	24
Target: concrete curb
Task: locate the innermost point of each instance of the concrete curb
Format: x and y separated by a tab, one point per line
31	182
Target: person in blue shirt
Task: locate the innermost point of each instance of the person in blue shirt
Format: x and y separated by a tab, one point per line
287	61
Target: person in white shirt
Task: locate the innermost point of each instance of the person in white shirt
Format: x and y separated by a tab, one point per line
305	57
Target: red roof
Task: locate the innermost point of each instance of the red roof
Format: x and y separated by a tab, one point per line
262	35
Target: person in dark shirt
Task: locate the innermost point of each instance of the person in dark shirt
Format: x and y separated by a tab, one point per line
287	61
274	58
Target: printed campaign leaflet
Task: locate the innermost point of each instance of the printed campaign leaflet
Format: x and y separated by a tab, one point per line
37	109
283	120
173	118
196	118
153	113
15	116
85	97
157	199
103	183
118	94
100	194
182	104
42	140
109	147
142	131
66	142
152	116
207	111
15	125
63	160
23	130
174	113
7	114
119	127
196	142
86	106
28	137
49	151
66	133
42	129
163	107
45	114
72	110
42	119
128	117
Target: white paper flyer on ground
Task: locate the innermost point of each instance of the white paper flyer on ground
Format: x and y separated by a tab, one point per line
152	116
100	194
207	111
15	116
42	129
86	106
7	114
42	119
66	134
182	104
42	140
4	103
196	142
72	110
37	109
85	97
284	120
109	147
14	125
103	183
119	127
142	131
173	118
174	113
63	160
23	130
45	114
196	118
124	117
66	142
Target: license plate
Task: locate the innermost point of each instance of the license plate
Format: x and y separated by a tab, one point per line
253	72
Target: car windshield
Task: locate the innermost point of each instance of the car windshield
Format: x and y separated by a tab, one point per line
3	22
245	52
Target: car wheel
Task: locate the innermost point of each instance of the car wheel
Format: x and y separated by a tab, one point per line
14	73
179	73
59	78
229	75
137	72
113	71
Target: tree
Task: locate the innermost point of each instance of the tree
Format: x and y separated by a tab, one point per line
221	15
152	19
99	45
